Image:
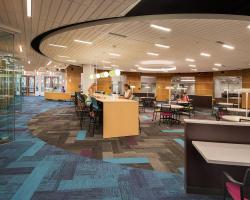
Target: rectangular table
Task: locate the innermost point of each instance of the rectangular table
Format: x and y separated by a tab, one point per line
224	153
120	116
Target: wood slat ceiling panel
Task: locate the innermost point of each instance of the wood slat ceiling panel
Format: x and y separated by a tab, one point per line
188	38
48	14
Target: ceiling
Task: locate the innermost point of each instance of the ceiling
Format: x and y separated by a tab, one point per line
49	14
190	35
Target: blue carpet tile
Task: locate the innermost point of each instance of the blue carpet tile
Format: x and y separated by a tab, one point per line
32	169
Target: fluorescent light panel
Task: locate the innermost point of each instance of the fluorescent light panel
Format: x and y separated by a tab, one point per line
152	54
228	46
190	60
162	28
157	69
215	69
83	42
162	46
49	62
71	60
57	45
115	54
205	54
192	65
29	6
20	48
217	64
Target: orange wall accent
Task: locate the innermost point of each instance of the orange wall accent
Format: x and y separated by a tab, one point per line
134	79
162	81
104	84
204	85
73	78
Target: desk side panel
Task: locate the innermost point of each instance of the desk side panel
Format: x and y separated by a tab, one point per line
201	177
120	119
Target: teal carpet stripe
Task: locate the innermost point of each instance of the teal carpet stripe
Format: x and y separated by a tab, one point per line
181	170
136	160
146	117
33	149
32	182
81	135
179	141
179	131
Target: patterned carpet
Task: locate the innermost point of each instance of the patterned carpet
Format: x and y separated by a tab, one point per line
32	169
156	147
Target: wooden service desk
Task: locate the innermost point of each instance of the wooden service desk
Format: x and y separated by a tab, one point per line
58	96
120	116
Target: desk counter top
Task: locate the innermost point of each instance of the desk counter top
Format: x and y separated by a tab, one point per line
224	153
108	99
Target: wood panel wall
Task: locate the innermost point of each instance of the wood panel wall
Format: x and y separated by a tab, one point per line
134	79
204	85
104	84
162	81
245	84
73	78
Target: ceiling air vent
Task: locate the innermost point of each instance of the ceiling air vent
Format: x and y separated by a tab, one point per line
118	35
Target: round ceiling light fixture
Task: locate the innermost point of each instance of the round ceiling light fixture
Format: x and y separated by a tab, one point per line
166	69
157	62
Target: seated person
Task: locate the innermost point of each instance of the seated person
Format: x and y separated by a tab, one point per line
63	89
185	97
127	93
92	89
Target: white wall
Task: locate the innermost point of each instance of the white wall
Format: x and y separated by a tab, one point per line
85	77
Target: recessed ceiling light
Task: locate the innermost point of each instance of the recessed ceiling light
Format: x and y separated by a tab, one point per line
57	45
71	60
83	42
132	70
28	5
107	67
139	65
205	54
159	69
194	70
248	26
115	54
49	62
29	62
228	46
105	61
63	56
160	27
152	54
192	65
162	46
215	69
114	65
190	60
20	48
218	64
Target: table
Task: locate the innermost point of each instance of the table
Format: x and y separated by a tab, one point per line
224	153
173	106
61	96
120	116
235	118
225	104
238	110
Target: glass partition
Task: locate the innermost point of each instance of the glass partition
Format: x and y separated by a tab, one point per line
181	85
7	87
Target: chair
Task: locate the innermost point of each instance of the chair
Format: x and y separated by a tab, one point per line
166	114
93	115
220	112
157	109
237	190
